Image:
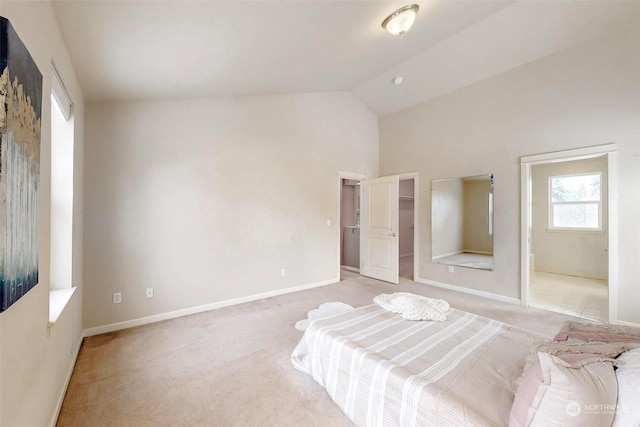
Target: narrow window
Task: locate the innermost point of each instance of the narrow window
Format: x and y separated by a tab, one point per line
62	171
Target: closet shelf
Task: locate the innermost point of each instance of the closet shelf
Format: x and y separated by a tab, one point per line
407	198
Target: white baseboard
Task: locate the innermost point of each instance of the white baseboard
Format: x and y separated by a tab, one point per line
569	273
63	392
199	309
489	295
624	323
348	268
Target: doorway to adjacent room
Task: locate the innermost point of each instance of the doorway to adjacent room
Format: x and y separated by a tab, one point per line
568	231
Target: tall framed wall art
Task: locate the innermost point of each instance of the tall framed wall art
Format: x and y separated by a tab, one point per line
20	109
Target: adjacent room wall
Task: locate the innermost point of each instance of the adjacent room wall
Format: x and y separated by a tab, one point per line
349	205
584	96
476	237
206	200
447	196
577	253
35	361
406	218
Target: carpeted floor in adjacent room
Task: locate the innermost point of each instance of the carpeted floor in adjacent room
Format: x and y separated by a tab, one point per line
231	367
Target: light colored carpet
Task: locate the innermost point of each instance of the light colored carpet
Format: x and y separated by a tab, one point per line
231	367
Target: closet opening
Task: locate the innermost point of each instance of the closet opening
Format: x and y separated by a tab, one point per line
383	215
406	228
350	224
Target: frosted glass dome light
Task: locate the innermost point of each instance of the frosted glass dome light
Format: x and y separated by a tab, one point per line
399	22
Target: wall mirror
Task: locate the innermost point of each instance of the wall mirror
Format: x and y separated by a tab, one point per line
462	221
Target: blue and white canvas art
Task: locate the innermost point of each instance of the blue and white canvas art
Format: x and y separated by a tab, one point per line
20	108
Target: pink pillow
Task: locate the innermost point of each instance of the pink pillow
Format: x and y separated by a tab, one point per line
560	348
560	390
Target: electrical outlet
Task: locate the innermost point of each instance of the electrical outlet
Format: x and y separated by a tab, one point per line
283	272
149	293
117	298
328	223
451	269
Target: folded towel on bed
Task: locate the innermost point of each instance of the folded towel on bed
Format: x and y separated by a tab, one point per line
413	307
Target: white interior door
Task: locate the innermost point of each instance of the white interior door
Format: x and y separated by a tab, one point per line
379	228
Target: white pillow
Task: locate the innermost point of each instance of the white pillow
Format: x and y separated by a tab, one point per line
628	375
630	358
572	394
413	307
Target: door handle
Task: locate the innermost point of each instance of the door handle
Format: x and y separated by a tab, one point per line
392	234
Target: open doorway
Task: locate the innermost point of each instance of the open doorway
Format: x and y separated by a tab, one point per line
350	224
569	229
569	238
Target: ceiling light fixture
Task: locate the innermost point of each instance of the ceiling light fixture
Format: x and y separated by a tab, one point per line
399	22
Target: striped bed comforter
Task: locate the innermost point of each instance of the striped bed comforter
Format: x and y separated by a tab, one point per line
386	371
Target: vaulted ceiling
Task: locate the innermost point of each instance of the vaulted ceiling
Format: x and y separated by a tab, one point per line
145	49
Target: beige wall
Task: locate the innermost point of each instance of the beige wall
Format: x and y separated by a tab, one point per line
585	96
206	200
446	198
35	362
580	253
476	237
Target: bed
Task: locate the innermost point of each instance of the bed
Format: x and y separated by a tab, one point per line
383	370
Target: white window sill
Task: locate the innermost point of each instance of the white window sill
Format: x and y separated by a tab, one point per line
576	230
58	300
